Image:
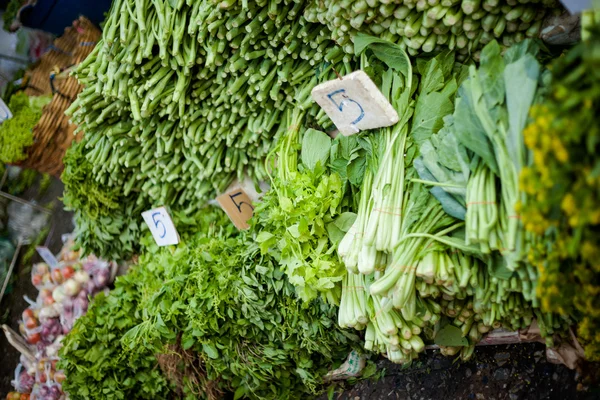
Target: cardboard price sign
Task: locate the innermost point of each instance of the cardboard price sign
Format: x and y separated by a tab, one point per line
238	207
161	225
354	103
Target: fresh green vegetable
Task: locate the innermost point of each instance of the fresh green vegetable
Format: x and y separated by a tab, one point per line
560	207
181	98
103	214
10	13
428	26
431	283
295	216
15	133
96	364
221	299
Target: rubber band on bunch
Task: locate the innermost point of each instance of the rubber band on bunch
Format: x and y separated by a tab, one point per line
475	203
390	211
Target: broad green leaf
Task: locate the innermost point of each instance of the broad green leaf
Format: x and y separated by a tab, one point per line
335	234
433	77
210	350
521	78
429	113
240	392
490	74
497	267
345	220
468	129
450	335
391	54
449	203
356	170
264	236
315	148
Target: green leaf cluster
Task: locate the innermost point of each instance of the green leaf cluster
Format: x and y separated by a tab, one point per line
96	364
104	223
15	133
231	305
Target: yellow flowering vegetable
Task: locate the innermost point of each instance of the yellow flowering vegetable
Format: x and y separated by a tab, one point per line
562	191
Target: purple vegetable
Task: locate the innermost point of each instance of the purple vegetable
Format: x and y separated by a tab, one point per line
82	295
90	286
67	305
81	304
101	277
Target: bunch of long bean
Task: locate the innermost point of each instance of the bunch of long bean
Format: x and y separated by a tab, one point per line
181	97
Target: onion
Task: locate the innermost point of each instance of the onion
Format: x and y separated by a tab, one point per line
81	277
82	304
59	294
67	305
48	312
101	277
83	295
72	287
90	286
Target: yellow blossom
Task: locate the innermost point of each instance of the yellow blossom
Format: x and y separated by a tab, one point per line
568	204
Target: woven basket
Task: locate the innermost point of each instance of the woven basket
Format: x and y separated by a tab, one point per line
53	134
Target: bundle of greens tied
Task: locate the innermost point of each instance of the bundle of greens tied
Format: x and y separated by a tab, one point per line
183	96
424	263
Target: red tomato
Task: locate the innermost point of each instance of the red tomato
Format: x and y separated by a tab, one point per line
24	396
68	272
28	313
30	323
34	338
36	279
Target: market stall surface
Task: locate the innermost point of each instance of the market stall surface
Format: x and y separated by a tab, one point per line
13	303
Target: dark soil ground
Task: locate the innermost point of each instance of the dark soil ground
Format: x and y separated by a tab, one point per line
60	223
512	372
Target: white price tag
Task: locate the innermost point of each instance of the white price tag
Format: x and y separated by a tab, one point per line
47	256
354	103
4	112
161	225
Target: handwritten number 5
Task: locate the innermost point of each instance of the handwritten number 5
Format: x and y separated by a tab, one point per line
346	100
159	222
241	203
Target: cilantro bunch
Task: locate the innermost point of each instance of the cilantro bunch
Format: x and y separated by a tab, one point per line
96	364
104	224
561	211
